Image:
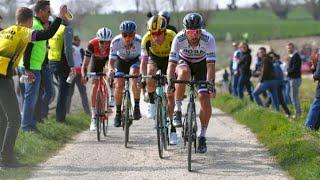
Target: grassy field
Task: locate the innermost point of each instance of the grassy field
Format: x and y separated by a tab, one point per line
34	148
295	148
260	24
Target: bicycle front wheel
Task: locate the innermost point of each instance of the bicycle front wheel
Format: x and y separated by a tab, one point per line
98	115
126	118
160	135
191	138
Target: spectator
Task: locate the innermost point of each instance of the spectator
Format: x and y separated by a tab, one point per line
244	63
267	82
294	75
15	38
280	78
286	90
235	70
262	52
313	118
78	55
32	63
61	64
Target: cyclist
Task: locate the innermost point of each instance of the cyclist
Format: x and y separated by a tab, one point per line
98	53
167	16
125	59
193	54
155	49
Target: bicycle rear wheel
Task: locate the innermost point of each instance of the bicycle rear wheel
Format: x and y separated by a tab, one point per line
126	118
190	120
98	115
160	135
105	118
165	128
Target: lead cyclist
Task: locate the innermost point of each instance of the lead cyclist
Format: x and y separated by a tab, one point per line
193	54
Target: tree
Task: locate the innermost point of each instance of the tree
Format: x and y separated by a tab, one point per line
82	8
313	7
280	8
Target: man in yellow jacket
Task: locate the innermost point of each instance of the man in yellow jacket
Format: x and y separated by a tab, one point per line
13	42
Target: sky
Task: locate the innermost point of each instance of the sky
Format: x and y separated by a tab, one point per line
125	5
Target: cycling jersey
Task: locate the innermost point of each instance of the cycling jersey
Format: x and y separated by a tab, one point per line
99	56
205	50
119	52
150	48
13	42
125	58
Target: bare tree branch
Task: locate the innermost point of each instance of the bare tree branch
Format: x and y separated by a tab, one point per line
280	8
313	7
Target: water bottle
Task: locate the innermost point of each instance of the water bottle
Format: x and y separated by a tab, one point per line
70	77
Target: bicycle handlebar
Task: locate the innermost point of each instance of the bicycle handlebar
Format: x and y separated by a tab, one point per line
126	76
190	82
96	74
157	76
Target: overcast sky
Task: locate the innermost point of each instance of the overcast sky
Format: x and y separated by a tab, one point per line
125	5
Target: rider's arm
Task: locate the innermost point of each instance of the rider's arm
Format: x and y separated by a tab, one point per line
39	35
112	57
87	58
173	58
211	59
145	45
68	50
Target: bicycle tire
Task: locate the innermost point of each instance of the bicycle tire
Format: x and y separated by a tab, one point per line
126	119
158	119
105	120
190	117
98	117
165	129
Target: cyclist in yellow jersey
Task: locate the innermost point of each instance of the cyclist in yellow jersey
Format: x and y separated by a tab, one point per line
13	42
155	49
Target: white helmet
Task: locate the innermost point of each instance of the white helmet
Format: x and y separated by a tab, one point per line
104	34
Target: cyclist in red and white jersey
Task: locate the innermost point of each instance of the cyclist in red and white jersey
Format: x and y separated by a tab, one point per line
193	54
97	54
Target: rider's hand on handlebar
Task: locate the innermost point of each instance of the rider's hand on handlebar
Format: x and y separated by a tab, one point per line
111	74
211	89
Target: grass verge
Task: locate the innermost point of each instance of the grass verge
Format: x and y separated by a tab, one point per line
295	148
34	148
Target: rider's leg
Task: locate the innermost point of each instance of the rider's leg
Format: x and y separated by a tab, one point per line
151	87
119	85
93	95
183	73
205	112
134	70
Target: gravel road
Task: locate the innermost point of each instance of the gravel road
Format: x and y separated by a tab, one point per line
233	153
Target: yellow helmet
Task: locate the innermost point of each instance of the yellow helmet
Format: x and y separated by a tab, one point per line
157	23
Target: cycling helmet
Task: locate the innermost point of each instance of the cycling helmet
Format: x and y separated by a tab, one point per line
128	27
157	23
104	34
165	14
192	21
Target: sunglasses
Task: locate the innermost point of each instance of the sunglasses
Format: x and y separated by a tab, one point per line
193	32
159	33
103	42
124	35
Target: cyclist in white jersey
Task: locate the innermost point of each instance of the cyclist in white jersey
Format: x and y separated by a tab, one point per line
193	55
124	58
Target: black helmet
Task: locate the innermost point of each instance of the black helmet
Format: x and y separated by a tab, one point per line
165	14
192	21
